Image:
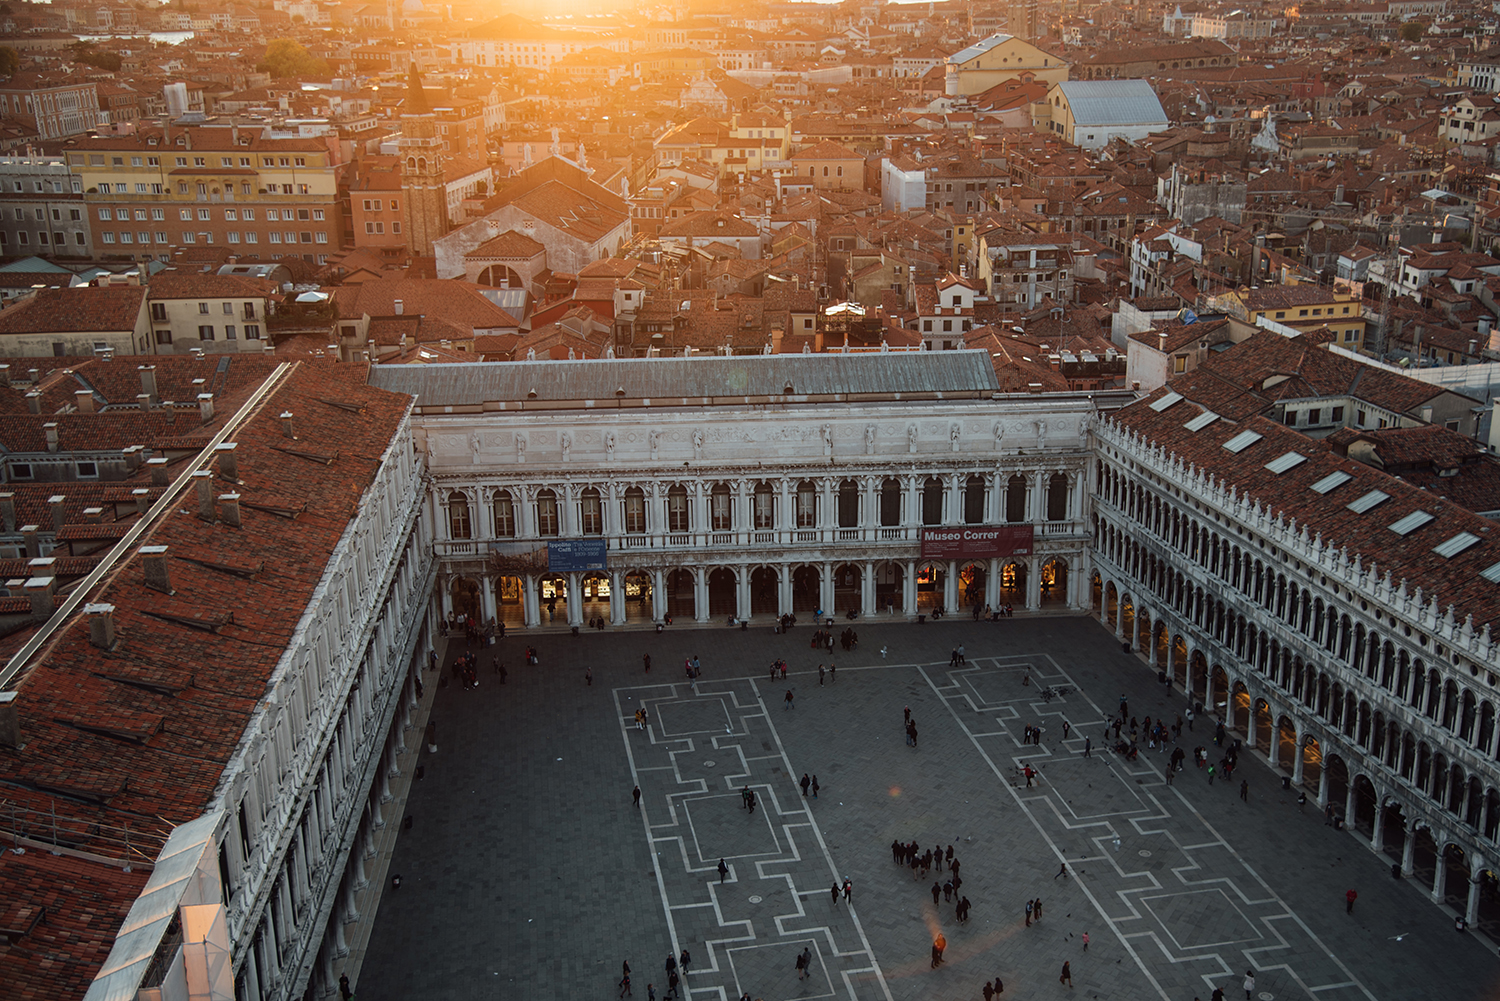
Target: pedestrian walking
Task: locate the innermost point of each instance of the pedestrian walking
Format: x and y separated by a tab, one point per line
672	982
804	784
1036	908
635	797
938	945
723	870
624	985
832	673
650	992
1349	899
911	733
1085	941
937	891
1028	914
588	676
1210	774
999	987
961	659
1328	815
1249	983
1245	790
1170	772
646	659
788	700
815	787
988	992
804	963
671	963
1029	775
751	802
907	712
820	675
686	958
1066	727
1088	743
1062	870
1067	974
344	992
833	893
848	892
1124	706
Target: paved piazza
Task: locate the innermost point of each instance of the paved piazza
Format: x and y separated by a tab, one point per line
527	874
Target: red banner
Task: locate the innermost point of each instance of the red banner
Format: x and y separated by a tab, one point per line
976	541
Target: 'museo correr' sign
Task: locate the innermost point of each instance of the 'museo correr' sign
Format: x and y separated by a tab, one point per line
976	541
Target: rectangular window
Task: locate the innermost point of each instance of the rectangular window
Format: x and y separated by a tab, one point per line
395	227
87	470
206	332
321	237
188	237
230	215
229	333
203	308
20	471
317	215
273	215
203	215
233	237
252	331
108	237
106	214
275	237
161	236
164	337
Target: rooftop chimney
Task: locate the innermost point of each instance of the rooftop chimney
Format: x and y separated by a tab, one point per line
36	376
85	400
154	559
400	307
93	515
229	509
51	429
286	424
8	510
34	402
10	721
33	546
144	400
4	375
39	590
158	467
229	466
133	456
142	500
148	382
59	517
204	479
206	406
101	625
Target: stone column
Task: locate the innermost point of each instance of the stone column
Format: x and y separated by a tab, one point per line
1323	782
950	587
867	588
1471	909
1439	874
784	589
1080	595
658	595
1119	612
700	594
1297	762
616	598
742	591
1409	850
1034	587
575	599
992	583
869	513
445	596
825	589
1377	839
786	520
909	589
530	612
1348	802
487	597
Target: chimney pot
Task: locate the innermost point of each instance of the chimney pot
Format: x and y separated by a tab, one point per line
154	559
39	590
206	406
4	375
8	510
286	424
148	382
57	503
142	500
36	376
51	429
85	400
229	507
229	466
204	479
144	401
158	467
34	402
101	625
93	515
133	456
10	721
33	544
400	307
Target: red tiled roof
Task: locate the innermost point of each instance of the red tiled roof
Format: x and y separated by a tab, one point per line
84	309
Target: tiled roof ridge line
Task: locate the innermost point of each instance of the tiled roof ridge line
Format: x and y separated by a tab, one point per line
1425	611
117	554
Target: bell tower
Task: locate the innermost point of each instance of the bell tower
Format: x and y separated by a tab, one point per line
424	204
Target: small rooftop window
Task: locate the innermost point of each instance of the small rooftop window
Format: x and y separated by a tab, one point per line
1411	522
1334	479
1242	441
1362	504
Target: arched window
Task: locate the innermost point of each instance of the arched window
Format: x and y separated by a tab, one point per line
932	501
677	509
421	163
721	508
1015	498
805	504
1057	497
546	513
591	512
974	500
411	163
459	523
848	504
764	506
505	515
634	510
890	503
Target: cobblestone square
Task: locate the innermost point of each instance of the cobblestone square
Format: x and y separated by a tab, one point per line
528	873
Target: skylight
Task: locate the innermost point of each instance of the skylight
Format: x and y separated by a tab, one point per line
1369	500
1411	522
1456	545
1242	441
1334	479
1282	463
1166	401
1202	421
1492	574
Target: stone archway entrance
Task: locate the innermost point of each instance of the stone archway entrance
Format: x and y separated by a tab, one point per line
721	593
972	578
1053	582
682	602
463	593
638	596
1013	585
890	581
1096	590
848	588
807	588
764	585
595	593
1312	763
931	581
552	605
